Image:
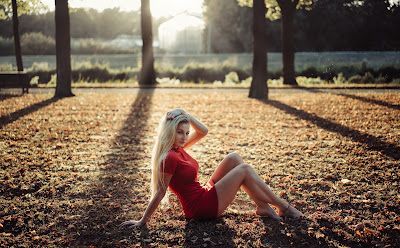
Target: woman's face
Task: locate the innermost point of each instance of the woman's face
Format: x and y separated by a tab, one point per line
182	134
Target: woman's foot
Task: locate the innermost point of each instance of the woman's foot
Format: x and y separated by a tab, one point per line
268	211
290	212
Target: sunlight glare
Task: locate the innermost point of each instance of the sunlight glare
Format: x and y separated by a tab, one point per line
159	8
173	7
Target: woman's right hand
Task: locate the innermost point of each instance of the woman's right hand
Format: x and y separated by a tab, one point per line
132	223
174	113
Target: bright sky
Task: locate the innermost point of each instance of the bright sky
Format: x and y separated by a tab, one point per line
158	7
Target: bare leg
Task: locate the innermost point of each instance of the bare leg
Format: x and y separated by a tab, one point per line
244	176
229	162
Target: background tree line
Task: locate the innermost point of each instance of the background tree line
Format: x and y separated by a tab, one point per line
85	23
323	26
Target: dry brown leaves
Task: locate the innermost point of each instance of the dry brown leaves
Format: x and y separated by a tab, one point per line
72	169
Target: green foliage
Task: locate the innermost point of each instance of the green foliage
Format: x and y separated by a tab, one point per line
37	44
232	78
34	81
367	78
209	72
6	46
319	25
7	67
221	16
339	79
25	7
273	9
301	80
53	79
92	46
223	73
278	81
388	72
85	23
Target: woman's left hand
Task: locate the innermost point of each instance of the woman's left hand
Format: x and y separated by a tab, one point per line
132	223
174	113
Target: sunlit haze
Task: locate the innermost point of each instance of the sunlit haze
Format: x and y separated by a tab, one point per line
158	7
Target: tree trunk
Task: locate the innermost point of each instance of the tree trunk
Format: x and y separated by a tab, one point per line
259	87
63	49
147	74
288	9
17	43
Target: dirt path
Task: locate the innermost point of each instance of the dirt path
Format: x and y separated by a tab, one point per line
202	90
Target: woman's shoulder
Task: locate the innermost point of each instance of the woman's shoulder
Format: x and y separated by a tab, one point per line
171	161
172	154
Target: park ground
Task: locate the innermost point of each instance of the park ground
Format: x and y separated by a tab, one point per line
73	169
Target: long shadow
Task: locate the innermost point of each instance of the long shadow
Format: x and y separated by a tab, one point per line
292	234
115	187
311	90
208	233
373	101
4	120
6	96
372	142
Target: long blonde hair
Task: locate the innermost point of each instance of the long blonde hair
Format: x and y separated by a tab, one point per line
164	142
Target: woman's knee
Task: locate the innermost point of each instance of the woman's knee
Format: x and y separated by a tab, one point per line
235	158
244	167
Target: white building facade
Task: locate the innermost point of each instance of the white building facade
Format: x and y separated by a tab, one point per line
182	34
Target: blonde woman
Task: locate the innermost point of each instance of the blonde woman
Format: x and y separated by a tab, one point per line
174	168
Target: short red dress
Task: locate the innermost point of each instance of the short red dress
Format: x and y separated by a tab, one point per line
198	202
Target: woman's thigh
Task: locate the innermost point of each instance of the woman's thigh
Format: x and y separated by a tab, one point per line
228	186
229	162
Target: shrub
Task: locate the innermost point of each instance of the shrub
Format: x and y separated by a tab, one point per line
339	79
93	46
247	82
211	72
367	78
53	79
355	79
278	81
7	67
44	76
6	46
395	81
309	72
168	81
231	78
34	81
98	74
389	72
309	80
37	44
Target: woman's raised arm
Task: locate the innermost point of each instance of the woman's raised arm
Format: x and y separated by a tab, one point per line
200	130
198	134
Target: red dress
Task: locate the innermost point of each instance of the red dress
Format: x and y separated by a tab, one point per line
198	202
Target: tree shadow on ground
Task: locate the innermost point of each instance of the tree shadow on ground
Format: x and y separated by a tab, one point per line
290	233
371	142
208	233
4	120
373	101
310	90
116	185
6	96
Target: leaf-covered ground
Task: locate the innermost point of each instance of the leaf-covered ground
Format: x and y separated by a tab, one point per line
73	169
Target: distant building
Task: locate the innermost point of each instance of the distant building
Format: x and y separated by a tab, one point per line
182	33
